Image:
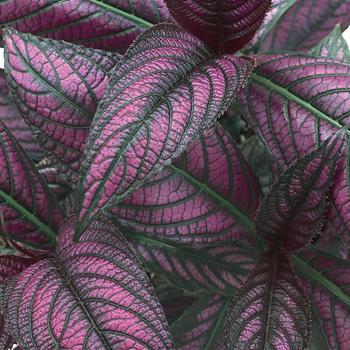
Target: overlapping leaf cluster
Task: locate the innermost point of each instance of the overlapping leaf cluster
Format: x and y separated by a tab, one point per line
114	135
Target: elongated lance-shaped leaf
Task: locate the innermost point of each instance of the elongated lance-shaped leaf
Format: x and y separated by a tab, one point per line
203	197
219	269
332	304
57	87
102	24
306	23
292	212
201	325
29	211
92	295
10	116
270	311
225	25
333	46
295	102
167	88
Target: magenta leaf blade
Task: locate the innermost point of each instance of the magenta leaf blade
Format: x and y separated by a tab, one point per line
292	212
103	24
29	211
225	25
167	88
57	87
270	311
206	196
92	294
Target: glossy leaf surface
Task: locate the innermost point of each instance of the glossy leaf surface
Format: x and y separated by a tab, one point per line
92	294
270	311
203	197
306	23
167	89
294	102
201	326
103	24
10	116
292	212
29	211
57	87
225	25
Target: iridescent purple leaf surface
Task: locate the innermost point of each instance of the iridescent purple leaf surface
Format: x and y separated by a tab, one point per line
29	211
10	116
206	196
167	88
225	25
292	212
103	24
201	325
270	311
294	102
91	295
306	23
219	269
57	87
331	304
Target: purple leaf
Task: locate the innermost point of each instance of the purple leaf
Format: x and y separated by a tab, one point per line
10	116
270	311
6	341
292	212
219	269
57	87
167	89
102	24
306	23
201	198
200	327
91	295
29	211
332	309
225	25
294	102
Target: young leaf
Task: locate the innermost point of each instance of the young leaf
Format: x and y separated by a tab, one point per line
270	311
295	102
91	295
203	197
167	88
57	87
292	211
332	311
219	269
103	24
225	25
306	23
10	116
29	211
333	46
201	326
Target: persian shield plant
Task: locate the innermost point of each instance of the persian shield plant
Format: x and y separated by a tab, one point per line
174	175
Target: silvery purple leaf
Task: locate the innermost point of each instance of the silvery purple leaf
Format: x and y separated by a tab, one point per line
57	87
200	327
294	102
225	25
292	212
306	23
208	195
166	89
270	310
29	211
91	295
331	304
10	116
102	24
